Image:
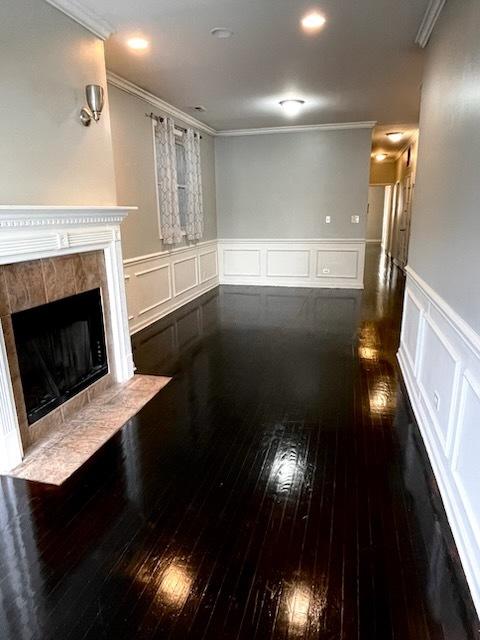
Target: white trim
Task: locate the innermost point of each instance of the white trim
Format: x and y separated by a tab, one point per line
376	241
462	344
129	87
166	108
289	241
334	126
168	252
329	265
142	301
85	16
192	286
429	19
462	328
32	232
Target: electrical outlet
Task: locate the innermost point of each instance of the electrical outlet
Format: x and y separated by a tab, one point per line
326	270
436	400
355	219
328	219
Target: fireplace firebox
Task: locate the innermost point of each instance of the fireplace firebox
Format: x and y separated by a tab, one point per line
61	350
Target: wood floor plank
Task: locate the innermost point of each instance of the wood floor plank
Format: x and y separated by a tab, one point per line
276	488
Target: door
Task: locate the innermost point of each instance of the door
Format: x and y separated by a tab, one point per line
404	220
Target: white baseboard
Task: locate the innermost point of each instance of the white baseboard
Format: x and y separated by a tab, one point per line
157	284
439	358
333	263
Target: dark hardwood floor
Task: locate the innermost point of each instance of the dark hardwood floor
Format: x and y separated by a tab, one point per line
276	488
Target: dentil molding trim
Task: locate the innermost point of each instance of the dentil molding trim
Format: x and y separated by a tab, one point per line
85	16
14	216
429	19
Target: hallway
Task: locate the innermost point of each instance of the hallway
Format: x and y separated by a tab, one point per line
275	488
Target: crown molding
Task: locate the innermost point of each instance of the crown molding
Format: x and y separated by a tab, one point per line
84	16
129	87
133	89
429	19
335	126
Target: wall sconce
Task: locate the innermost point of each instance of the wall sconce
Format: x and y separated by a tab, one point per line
94	93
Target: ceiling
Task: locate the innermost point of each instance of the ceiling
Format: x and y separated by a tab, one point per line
382	144
363	64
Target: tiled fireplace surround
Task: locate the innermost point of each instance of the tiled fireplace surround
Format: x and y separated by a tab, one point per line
46	254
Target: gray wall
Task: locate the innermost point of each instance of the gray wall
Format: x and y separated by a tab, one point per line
283	185
46	155
445	232
135	174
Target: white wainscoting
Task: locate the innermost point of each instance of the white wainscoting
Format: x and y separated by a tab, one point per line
159	283
293	263
440	360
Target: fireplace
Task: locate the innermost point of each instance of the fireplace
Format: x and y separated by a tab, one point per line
62	286
61	350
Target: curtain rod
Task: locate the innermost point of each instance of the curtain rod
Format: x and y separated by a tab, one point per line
161	119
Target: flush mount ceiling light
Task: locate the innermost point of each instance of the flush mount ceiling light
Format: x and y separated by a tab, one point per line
138	44
380	157
221	32
395	136
313	21
292	107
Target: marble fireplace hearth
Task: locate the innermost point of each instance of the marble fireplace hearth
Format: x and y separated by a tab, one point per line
48	253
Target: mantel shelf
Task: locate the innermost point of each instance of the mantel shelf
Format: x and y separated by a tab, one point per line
35	216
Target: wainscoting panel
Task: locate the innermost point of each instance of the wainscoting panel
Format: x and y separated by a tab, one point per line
297	263
440	361
243	263
185	275
159	283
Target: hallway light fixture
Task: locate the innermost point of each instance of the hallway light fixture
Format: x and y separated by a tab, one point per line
380	157
95	97
291	107
395	136
138	44
313	21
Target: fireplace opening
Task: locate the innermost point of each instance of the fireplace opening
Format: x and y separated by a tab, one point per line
61	350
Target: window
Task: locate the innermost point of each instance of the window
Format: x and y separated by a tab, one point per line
181	183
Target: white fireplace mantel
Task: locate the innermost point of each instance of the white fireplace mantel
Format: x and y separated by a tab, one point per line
32	232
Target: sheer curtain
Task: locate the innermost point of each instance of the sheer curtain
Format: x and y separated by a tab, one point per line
170	227
194	217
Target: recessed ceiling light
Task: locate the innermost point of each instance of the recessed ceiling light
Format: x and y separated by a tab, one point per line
137	43
395	136
221	32
291	107
380	157
313	21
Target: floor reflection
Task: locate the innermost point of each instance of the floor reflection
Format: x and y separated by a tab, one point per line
276	488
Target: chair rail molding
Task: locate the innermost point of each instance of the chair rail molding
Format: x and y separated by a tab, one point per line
439	358
336	263
33	232
85	16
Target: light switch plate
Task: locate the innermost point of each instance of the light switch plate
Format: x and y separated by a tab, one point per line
328	219
355	219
